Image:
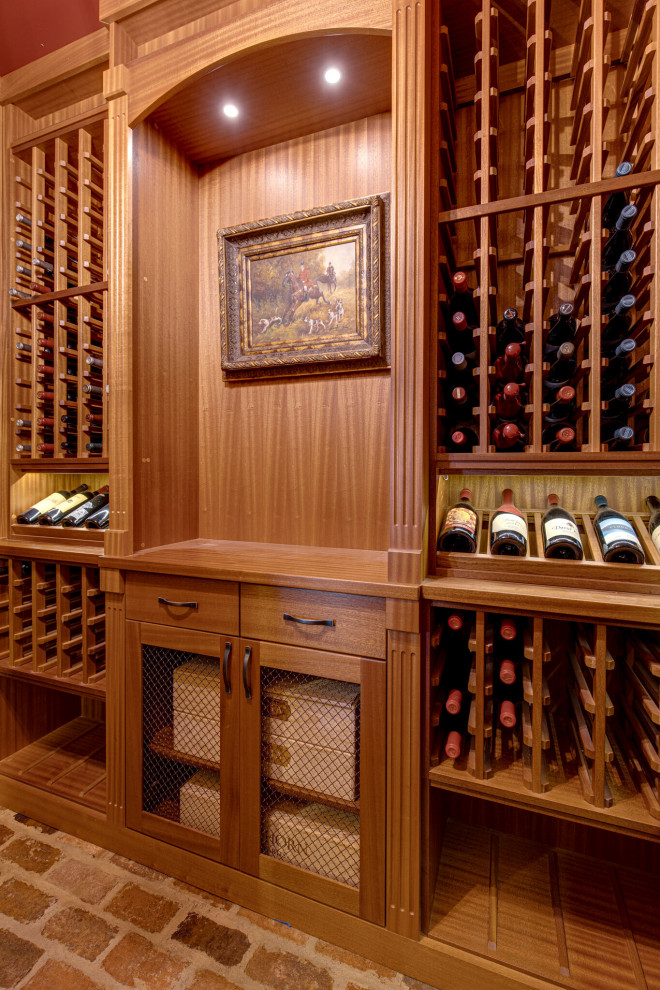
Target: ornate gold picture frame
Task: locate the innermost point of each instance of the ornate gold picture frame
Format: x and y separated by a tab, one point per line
306	293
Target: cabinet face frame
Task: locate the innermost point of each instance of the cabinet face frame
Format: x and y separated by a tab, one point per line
225	849
369	901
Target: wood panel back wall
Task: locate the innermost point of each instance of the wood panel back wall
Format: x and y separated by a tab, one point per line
165	286
292	461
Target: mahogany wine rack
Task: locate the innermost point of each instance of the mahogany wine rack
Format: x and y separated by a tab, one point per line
522	217
58	298
587	732
52	625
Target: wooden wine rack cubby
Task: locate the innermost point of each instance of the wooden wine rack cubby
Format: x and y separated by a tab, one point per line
548	133
52	624
58	296
586	740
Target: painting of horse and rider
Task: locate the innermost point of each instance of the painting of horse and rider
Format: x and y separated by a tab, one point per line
310	288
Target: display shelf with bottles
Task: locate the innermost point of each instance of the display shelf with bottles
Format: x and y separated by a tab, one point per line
564	717
58	297
540	232
50	508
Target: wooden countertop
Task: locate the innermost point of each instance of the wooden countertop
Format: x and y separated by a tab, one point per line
357	572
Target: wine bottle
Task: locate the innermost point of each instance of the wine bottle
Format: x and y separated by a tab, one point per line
509	366
21	346
618	324
23	448
508	403
620	438
51	501
508	530
100	519
507	713
654	520
561	536
563	439
508	436
459	335
97	500
458	403
94	362
462	300
454	744
617	368
454	701
619	282
455	621
563	328
620	403
508	630
92	389
616	201
459	532
54	516
510	330
618	540
463	440
24	423
563	369
94	447
562	408
460	371
507	672
620	239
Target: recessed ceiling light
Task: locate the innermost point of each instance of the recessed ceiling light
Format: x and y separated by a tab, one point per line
332	75
230	110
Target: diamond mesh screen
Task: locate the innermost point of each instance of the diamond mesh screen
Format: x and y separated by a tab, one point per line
310	768
181	726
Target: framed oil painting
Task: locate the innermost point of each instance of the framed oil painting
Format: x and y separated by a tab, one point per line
306	293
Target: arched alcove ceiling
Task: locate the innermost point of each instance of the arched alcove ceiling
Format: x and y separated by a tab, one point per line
281	94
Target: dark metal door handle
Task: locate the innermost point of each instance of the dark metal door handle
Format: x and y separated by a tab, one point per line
246	668
308	622
166	601
225	668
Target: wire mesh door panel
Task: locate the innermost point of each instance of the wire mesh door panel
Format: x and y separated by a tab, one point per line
310	773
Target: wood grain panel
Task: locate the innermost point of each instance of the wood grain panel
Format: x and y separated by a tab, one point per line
28	712
304	461
215	608
165	232
403	784
412	316
115	637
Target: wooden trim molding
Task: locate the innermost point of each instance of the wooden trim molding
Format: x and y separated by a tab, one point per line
80	55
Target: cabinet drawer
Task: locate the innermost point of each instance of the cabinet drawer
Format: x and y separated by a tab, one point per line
214	604
356	623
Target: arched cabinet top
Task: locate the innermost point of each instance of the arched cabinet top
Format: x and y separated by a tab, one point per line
153	79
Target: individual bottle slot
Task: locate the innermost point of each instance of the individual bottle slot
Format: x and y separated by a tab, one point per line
463	440
618	324
559	439
563	327
561	536
616	201
460	336
562	370
458	404
507	713
94	447
617	368
510	330
508	529
620	239
562	409
620	404
507	672
460	373
508	436
23	448
619	283
618	540
509	366
508	402
459	531
619	438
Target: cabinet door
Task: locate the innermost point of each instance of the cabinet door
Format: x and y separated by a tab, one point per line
313	774
182	709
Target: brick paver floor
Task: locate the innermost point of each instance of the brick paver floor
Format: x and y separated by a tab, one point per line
76	917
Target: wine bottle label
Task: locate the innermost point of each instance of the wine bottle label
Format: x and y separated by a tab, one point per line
72	502
655	536
78	514
49	503
613	530
564	528
509	522
460	518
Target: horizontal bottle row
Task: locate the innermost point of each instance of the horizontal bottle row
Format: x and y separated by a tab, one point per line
52	621
499	140
75	508
566	708
618	539
58	383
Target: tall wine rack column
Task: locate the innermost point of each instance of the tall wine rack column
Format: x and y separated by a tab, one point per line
58	297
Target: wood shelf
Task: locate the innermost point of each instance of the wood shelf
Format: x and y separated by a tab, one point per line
69	763
575	921
162	743
63	534
72	684
318	797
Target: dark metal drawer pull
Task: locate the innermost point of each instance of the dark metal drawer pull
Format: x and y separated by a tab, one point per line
225	668
246	665
308	622
166	601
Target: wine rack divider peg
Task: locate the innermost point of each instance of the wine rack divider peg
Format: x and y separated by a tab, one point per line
60	184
